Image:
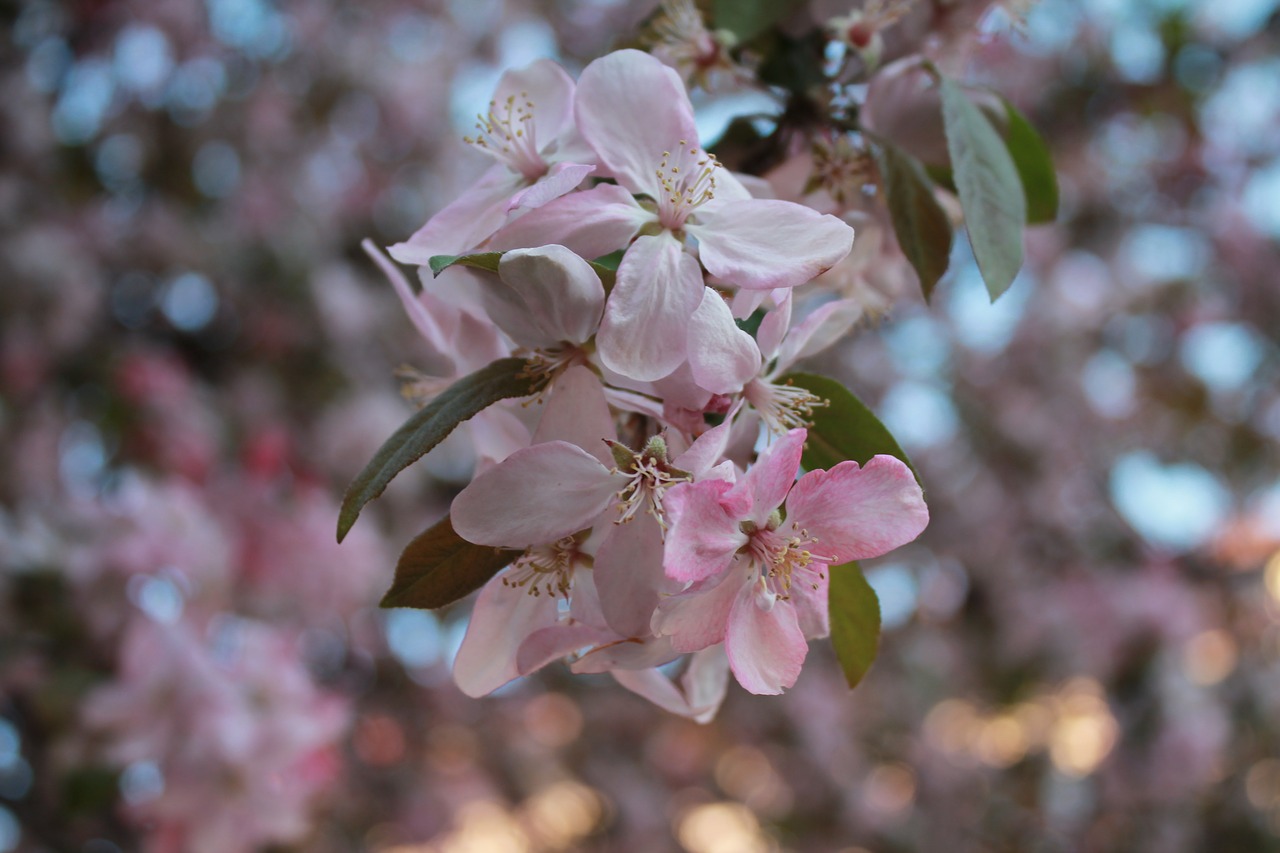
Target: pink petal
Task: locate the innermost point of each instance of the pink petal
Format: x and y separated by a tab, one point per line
809	598
631	108
706	450
551	644
772	476
495	434
703	537
560	179
826	325
549	88
773	328
466	223
589	223
576	411
766	648
584	605
645	328
761	243
628	574
697	618
858	513
628	654
722	357
706	681
656	687
501	620
563	294
535	496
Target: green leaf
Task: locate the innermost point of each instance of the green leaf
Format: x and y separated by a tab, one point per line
482	261
747	19
854	611
846	429
439	567
428	427
609	261
1035	167
990	190
919	222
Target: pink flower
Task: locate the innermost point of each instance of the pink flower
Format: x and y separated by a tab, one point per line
529	130
759	581
635	113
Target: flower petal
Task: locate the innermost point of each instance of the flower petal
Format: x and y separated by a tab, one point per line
722	357
548	88
500	621
563	294
628	574
704	536
535	496
772	476
423	320
630	108
589	223
466	223
560	179
576	411
858	513
766	648
631	653
553	643
762	243
645	328
697	618
826	325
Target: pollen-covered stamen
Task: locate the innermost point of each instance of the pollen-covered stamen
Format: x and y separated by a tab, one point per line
545	569
687	177
544	365
680	34
782	407
508	133
783	561
650	475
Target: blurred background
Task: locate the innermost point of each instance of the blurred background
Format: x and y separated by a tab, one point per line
1082	653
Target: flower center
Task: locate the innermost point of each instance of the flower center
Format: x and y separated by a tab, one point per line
842	169
782	407
545	569
783	561
650	475
507	133
687	177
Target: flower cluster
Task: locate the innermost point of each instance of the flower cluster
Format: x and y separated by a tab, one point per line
649	503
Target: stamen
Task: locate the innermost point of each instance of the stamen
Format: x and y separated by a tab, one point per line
783	407
688	180
545	569
508	134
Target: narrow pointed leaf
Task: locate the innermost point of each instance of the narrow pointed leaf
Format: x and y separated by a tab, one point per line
991	196
428	427
854	611
1035	167
439	567
921	225
845	429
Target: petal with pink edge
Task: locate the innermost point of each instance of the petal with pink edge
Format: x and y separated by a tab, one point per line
551	644
630	108
589	223
646	322
826	325
704	537
858	513
760	243
697	618
766	648
534	496
560	179
772	476
576	411
422	319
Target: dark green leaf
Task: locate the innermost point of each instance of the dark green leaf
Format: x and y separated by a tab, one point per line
919	222
610	261
854	611
1035	167
991	196
747	19
439	567
428	427
846	429
481	261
